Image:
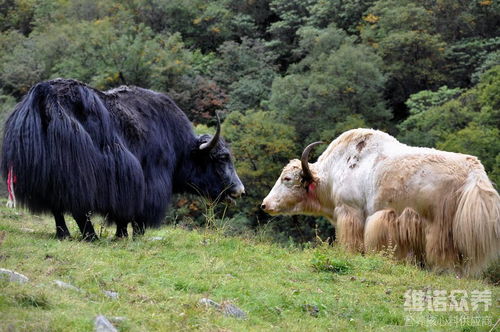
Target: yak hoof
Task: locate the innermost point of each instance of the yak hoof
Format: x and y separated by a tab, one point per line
62	233
121	233
90	237
62	236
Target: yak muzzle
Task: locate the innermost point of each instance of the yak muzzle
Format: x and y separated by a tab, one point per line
268	207
237	191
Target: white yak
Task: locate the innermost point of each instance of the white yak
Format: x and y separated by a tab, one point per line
438	206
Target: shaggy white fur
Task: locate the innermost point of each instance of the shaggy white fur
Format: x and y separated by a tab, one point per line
435	206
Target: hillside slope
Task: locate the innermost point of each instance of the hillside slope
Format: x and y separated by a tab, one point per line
161	277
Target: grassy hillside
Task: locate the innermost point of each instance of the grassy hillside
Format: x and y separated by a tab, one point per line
161	277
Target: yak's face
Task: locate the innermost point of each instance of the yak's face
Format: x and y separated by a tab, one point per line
290	194
215	175
295	191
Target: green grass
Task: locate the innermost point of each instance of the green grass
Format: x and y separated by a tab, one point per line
160	283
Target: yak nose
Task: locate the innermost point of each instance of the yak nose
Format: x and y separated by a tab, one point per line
267	208
238	190
265	205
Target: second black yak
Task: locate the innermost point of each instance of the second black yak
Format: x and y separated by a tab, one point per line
69	148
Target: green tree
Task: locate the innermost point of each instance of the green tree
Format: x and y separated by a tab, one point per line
107	56
202	24
479	140
21	63
468	123
7	104
346	14
246	71
17	15
200	98
314	43
459	19
413	56
491	60
339	85
261	145
252	17
292	14
468	56
423	100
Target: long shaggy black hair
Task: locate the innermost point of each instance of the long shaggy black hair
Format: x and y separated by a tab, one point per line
121	153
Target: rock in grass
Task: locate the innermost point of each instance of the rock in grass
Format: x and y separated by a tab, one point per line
231	310
65	285
210	303
117	319
111	294
13	276
102	324
226	308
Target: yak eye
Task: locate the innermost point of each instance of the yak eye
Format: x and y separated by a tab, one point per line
287	179
224	157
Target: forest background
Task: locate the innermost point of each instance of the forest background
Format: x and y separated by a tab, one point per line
282	73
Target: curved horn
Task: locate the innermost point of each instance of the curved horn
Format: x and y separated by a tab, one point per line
306	172
213	142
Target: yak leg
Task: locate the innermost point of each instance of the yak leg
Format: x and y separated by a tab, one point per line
378	235
85	225
438	249
61	228
138	227
155	203
350	225
403	234
409	235
121	230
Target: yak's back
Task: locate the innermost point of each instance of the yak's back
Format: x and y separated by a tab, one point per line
358	141
364	143
148	117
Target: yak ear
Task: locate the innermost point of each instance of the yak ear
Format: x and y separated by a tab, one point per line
202	141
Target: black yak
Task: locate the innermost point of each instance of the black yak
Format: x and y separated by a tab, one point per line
70	148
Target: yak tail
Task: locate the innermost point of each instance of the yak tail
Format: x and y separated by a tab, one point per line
66	154
476	225
23	145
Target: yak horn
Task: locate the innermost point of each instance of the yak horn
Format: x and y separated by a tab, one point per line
213	142
306	172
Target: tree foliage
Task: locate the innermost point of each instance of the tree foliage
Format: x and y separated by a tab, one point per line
281	73
17	15
339	84
467	123
261	146
413	56
247	72
468	56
